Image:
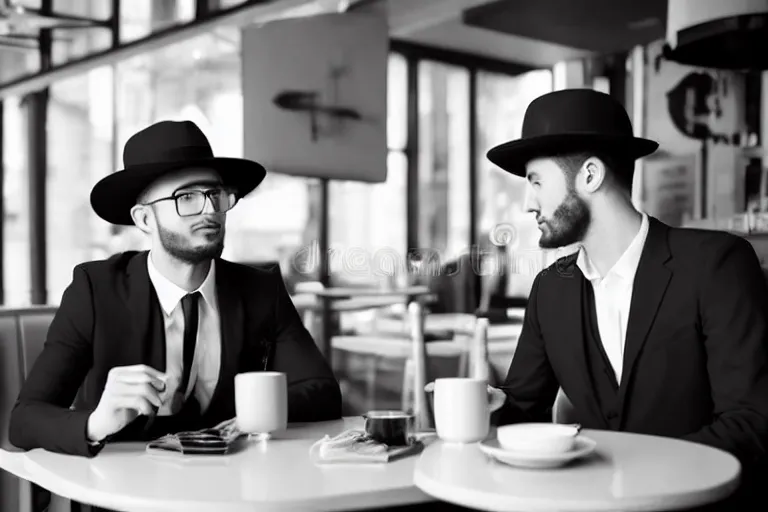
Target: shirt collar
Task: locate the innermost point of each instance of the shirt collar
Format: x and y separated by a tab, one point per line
169	294
627	264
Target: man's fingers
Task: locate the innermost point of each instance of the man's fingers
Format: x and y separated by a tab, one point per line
137	403
141	378
139	389
142	368
142	405
148	392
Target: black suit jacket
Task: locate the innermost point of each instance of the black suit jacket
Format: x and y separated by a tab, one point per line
695	357
105	321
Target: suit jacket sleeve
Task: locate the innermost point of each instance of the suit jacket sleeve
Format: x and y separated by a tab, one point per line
531	385
41	416
733	306
313	391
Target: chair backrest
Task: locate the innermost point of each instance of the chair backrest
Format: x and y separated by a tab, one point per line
33	330
562	410
11	372
22	336
421	406
309	316
309	287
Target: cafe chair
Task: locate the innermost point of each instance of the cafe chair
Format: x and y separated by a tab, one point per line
562	409
22	336
307	303
409	348
500	339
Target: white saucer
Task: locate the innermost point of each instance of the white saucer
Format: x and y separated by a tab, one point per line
584	446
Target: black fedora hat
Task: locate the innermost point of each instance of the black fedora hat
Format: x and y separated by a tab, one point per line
571	120
161	148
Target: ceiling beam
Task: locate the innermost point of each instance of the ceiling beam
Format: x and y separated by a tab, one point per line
409	16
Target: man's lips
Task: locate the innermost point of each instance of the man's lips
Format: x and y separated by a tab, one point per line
208	227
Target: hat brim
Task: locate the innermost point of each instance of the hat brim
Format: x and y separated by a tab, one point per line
113	196
514	155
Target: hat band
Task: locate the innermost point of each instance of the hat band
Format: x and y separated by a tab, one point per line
175	155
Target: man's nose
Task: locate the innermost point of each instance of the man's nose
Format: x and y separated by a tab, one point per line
531	204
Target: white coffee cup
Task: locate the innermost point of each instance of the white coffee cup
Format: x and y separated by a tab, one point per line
462	409
261	402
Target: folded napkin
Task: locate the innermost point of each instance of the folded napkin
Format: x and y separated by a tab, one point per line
208	441
357	446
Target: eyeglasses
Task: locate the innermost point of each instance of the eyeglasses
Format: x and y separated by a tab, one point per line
192	202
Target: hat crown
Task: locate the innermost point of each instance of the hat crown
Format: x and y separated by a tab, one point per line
167	142
576	111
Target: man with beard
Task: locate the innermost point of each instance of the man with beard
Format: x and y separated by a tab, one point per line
647	328
149	343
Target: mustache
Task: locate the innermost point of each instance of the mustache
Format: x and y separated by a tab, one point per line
207	224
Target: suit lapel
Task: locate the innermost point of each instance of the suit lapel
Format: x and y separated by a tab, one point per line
231	319
650	284
572	329
147	326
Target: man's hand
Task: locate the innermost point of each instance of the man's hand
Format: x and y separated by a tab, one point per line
130	391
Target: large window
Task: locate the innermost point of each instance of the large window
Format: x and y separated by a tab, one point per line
444	212
15	64
16	246
502	101
74	43
200	80
91	116
368	221
79	153
140	18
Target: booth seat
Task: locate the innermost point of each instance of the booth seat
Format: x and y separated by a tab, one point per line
22	335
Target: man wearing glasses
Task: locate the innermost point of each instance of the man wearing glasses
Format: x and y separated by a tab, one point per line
149	343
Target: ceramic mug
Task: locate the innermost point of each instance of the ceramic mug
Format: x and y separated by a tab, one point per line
463	408
261	403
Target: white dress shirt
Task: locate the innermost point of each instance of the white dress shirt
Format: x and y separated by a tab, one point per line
613	295
204	373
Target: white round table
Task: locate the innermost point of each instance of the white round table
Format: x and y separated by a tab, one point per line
278	475
627	472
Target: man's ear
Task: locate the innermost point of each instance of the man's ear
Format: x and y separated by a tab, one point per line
140	215
594	174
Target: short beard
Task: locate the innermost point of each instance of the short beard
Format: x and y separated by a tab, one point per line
568	224
178	247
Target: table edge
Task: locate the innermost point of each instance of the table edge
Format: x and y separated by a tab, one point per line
110	500
481	500
681	501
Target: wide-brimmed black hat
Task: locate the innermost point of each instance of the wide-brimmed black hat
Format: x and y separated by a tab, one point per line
161	148
571	120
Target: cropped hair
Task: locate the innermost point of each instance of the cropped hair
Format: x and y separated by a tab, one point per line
620	168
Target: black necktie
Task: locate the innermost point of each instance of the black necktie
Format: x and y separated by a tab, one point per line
189	308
